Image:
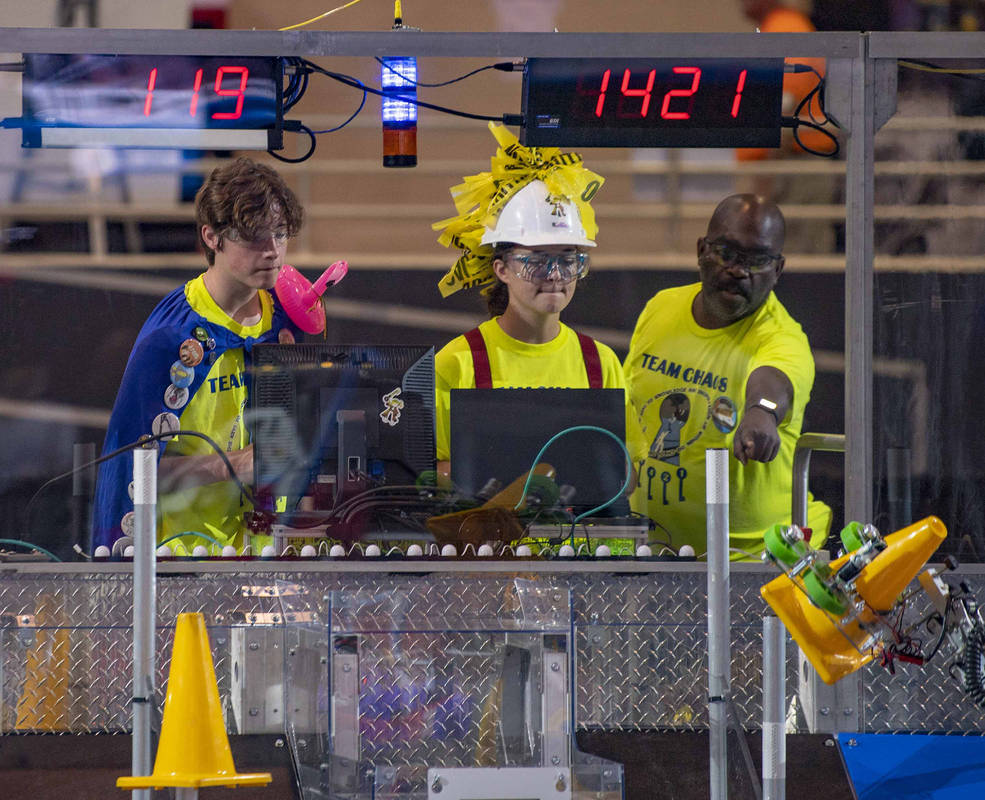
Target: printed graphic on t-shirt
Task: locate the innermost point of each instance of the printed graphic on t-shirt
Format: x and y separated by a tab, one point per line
683	416
674	412
723	414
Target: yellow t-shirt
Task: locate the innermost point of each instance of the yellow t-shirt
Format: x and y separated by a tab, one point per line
519	365
217	409
688	384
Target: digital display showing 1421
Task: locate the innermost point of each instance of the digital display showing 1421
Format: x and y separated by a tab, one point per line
637	102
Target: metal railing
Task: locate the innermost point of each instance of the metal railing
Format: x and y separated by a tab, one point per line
807	444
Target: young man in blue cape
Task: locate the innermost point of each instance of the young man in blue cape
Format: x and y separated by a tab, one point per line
187	369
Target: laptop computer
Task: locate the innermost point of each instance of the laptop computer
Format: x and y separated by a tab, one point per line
497	433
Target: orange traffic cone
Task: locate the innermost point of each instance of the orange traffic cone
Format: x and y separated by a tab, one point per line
44	701
194	749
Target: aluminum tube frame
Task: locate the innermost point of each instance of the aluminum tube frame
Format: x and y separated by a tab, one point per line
144	610
807	443
719	622
774	697
828	44
859	181
859	48
912	44
810	685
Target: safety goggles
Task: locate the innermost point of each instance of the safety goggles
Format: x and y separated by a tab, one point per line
751	260
543	266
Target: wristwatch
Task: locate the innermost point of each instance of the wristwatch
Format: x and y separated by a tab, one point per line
768	406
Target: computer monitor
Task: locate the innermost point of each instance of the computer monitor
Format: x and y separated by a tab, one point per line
497	433
329	421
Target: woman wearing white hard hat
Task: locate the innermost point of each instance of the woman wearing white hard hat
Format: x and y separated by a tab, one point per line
525	229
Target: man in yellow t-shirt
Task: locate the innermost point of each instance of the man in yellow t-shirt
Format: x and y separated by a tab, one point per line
721	364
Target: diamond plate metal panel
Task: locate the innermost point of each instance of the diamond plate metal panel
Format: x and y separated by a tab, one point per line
640	659
923	699
641	676
451	603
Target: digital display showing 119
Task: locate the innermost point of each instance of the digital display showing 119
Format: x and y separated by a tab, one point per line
638	102
137	91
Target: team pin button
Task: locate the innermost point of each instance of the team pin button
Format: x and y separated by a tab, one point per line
190	352
182	376
175	397
165	423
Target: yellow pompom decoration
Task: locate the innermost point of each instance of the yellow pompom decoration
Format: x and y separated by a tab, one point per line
480	198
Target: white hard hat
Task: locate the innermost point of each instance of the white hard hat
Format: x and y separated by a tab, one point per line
534	217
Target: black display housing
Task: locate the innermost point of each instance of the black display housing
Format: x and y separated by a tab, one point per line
659	102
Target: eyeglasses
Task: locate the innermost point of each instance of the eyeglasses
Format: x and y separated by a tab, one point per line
539	266
752	260
260	239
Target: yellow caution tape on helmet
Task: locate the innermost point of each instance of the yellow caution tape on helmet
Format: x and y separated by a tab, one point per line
481	198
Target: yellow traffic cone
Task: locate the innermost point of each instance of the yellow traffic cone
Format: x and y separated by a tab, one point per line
194	749
838	646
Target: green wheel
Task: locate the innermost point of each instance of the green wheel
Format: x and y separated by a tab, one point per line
851	536
544	489
823	595
780	548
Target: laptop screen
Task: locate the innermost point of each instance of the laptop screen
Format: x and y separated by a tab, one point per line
497	433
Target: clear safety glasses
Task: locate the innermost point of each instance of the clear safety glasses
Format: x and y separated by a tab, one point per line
751	260
543	266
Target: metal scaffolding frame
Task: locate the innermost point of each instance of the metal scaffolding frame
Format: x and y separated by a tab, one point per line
859	63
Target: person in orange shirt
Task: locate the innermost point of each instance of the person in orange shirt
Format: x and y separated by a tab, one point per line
772	16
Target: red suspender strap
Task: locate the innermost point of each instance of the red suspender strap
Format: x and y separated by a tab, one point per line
593	364
483	374
480	359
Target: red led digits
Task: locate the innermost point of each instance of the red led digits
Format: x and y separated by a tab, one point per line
239	94
647	92
602	91
193	105
149	99
721	88
644	93
665	111
738	93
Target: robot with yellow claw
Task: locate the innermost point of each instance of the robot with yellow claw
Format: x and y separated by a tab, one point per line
845	613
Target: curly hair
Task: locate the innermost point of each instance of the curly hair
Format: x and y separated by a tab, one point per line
248	197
